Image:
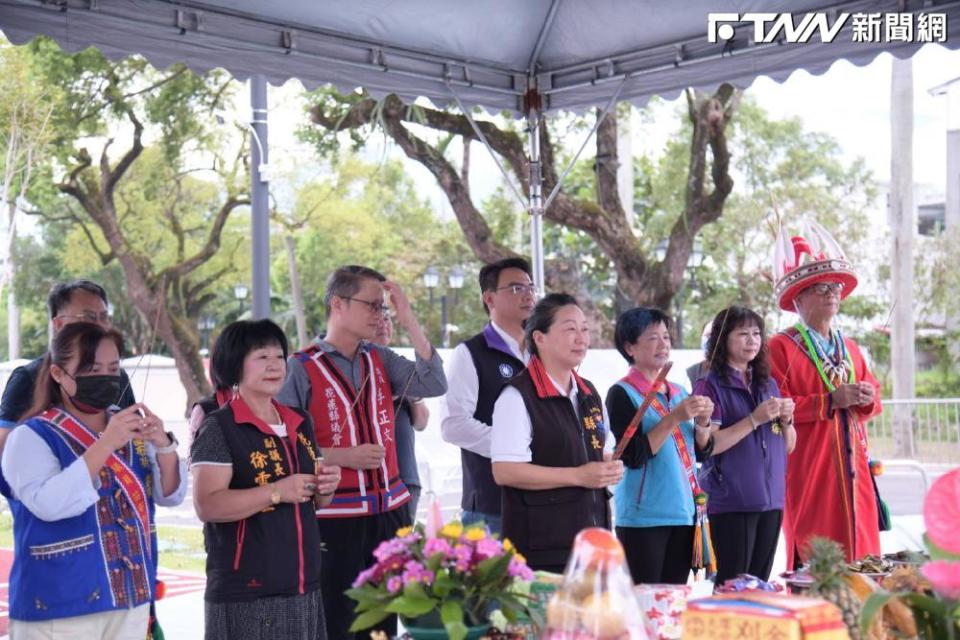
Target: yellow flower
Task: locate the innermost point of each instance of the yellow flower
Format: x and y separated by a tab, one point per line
452	530
507	545
520	557
404	531
476	534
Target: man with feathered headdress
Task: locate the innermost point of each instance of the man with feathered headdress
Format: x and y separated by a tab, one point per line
830	489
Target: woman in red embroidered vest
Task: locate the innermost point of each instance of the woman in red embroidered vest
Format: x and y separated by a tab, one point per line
657	512
257	481
550	444
82	485
830	489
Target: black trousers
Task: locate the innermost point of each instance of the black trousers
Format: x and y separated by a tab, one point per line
745	542
658	555
348	545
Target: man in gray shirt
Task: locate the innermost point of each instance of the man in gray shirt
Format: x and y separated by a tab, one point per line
347	384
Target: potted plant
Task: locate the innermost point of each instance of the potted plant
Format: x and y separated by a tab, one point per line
442	585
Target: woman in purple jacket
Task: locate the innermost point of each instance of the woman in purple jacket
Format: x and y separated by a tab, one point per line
744	479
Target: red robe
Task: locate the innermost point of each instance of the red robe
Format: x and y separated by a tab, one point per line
822	499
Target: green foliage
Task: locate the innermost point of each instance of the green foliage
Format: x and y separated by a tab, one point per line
372	215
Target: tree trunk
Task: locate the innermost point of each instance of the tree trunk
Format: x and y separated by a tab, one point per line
902	226
299	313
10	269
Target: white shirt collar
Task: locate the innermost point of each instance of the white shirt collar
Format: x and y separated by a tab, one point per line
571	393
513	344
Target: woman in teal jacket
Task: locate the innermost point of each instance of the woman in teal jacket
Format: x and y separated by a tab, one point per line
655	505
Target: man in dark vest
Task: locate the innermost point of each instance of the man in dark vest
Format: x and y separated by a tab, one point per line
77	301
477	371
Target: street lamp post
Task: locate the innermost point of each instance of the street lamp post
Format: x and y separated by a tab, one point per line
431	280
205	324
693	263
240	292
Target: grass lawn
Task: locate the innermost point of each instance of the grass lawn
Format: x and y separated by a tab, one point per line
181	548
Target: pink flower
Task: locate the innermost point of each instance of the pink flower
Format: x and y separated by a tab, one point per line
394	584
416	572
488	548
462	554
434	546
364	577
519	569
389	548
941	512
944	575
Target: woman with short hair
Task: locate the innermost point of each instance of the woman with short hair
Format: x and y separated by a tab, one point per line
257	481
656	500
550	444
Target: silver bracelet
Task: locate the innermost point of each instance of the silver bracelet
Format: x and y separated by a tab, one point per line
170	448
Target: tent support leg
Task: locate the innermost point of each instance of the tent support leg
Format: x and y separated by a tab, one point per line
259	200
534	114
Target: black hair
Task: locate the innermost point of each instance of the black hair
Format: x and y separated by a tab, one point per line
490	274
62	292
541	319
725	323
80	338
632	323
346	281
234	343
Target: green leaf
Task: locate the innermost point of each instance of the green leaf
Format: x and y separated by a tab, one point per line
410	607
443	585
452	615
368	597
415	590
368	619
872	606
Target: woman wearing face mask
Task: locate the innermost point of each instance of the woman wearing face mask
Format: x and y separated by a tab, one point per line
82	487
550	444
745	476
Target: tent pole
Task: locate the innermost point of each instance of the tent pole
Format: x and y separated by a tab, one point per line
259	199
534	114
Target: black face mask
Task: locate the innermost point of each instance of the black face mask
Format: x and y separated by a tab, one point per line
96	393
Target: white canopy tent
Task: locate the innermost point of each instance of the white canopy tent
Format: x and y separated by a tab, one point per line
527	57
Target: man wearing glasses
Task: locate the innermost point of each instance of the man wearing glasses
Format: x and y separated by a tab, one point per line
830	489
347	384
479	368
77	301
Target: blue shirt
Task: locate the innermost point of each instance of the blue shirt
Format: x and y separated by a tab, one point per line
658	493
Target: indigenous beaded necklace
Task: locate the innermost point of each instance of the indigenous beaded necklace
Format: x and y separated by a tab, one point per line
834	370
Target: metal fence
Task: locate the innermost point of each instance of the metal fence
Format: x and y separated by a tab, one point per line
934	424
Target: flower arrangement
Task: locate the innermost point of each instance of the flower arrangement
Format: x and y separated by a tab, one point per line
935	599
457	572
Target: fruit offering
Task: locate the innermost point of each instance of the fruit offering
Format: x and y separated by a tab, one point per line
595	600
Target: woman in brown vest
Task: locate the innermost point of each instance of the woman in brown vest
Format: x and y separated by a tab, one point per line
550	443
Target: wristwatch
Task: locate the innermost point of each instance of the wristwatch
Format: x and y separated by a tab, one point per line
170	448
275	496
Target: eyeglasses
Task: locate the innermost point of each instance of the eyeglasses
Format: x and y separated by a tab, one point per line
375	307
823	288
518	289
89	316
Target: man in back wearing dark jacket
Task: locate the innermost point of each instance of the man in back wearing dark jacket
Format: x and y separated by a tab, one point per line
77	301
